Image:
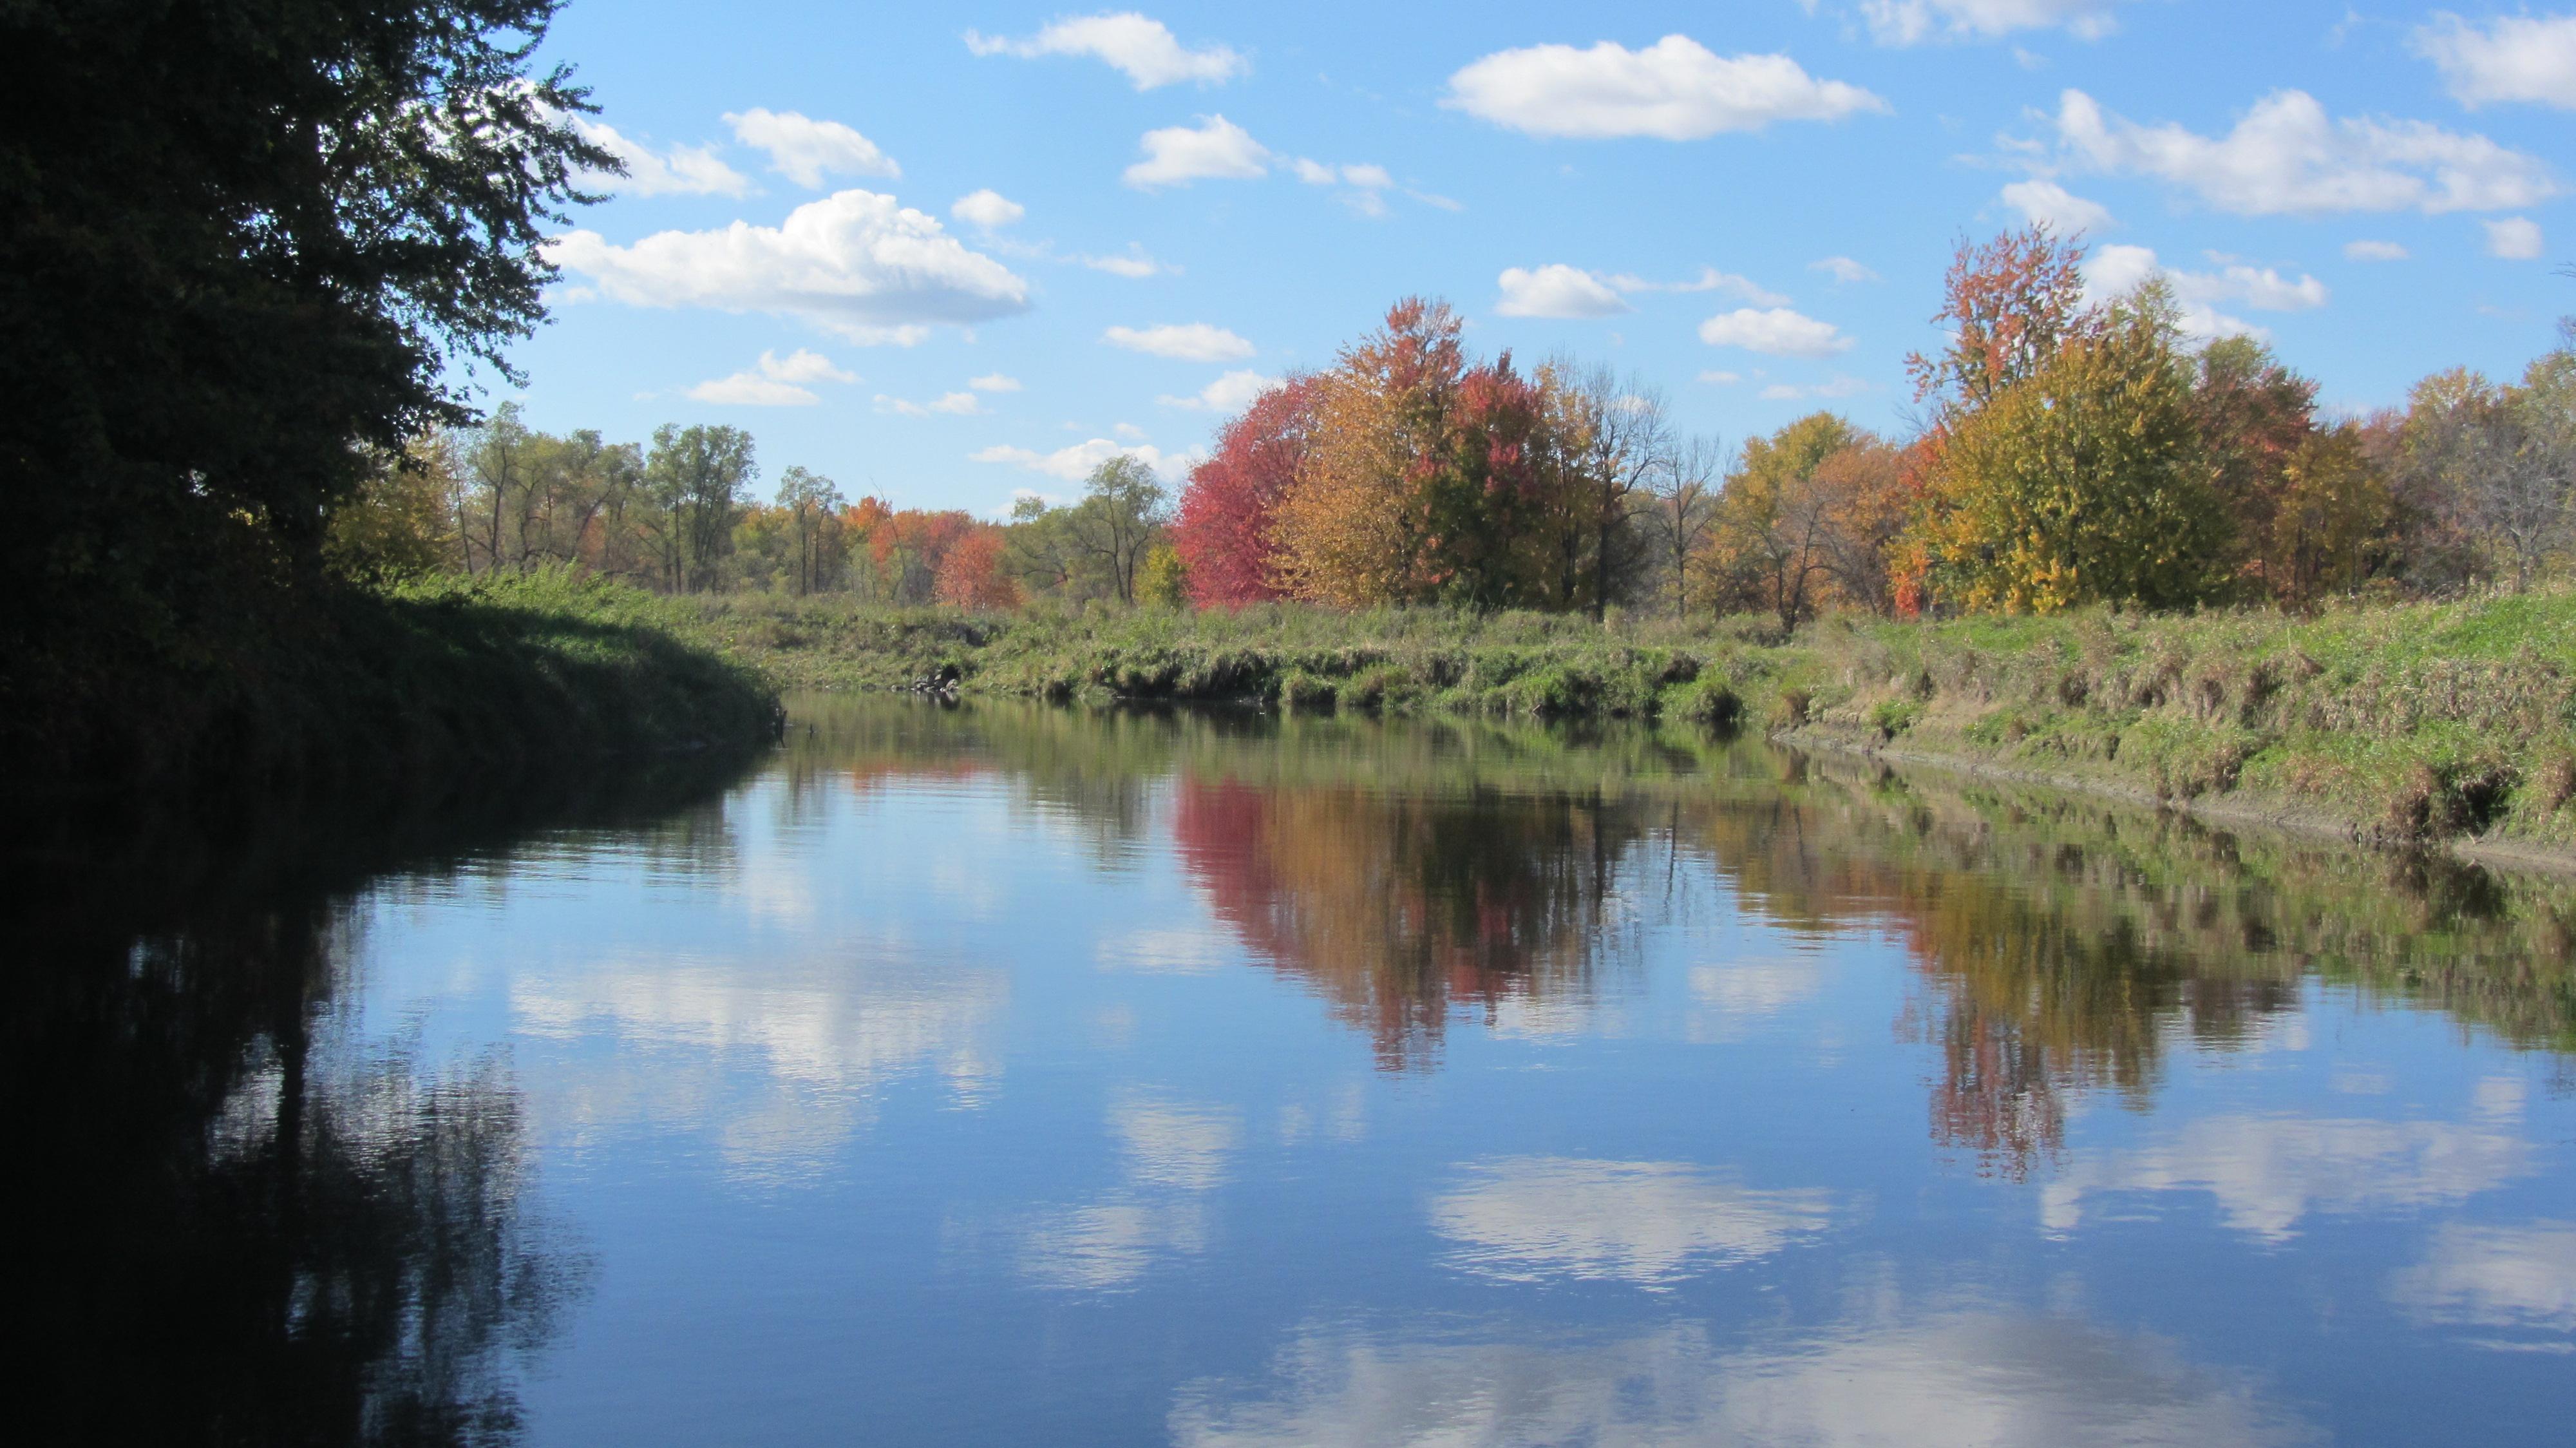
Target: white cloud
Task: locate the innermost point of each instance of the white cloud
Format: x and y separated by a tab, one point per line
949	404
1843	270
1217	149
2374	251
1134	264
1721	379
987	208
682	171
806	151
1556	290
2288	156
1652	1223
855	263
2267	1173
2114	271
1365	176
1777	331
777	382
994	382
1143	49
1675	89
2049	204
1837	386
1911	22
2515	238
1710	279
1366	181
2514	58
1075	463
1227	395
1196	342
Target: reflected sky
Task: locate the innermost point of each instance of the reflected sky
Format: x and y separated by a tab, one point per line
1003	1075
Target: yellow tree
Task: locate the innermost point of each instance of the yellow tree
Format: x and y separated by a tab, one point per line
2087	480
1768	545
2335	521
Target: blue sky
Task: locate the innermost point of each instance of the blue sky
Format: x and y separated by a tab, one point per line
950	254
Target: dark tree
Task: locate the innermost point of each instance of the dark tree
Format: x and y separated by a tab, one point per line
247	248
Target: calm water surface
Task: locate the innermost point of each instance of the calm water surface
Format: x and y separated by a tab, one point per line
1005	1075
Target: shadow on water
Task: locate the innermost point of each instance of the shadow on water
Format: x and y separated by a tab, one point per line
242	1224
1410	871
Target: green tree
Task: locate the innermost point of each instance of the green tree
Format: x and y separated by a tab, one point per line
1119	518
2086	481
701	477
813	505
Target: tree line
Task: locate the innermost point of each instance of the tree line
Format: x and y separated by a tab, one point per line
2071	452
685	513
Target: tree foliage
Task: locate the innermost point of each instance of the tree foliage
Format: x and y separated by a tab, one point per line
2085	481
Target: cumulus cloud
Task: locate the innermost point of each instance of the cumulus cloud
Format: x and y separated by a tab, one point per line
2288	156
776	382
2515	238
1675	89
1195	342
1142	49
1075	463
1215	149
680	171
1911	22
1556	290
1837	386
2114	271
994	382
1227	395
806	151
1843	270
987	208
948	404
1777	331
1132	263
1710	279
2511	58
2374	251
2048	204
855	263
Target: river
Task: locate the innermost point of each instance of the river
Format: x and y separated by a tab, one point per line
1003	1074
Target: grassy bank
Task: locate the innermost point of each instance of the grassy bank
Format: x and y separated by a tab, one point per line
440	686
2401	723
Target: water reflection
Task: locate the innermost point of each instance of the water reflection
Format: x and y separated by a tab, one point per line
248	1221
1651	1223
1962	1375
1004	1075
1414	873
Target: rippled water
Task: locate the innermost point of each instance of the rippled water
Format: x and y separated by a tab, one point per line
1007	1075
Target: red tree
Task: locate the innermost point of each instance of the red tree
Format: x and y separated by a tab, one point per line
1223	532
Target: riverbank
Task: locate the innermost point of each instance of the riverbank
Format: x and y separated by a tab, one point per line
2400	724
429	687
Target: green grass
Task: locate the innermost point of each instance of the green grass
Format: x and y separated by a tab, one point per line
440	686
2403	722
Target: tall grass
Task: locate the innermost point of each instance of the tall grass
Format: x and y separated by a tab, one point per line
2400	722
